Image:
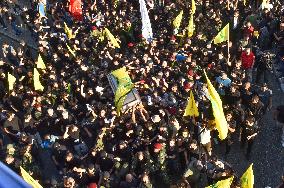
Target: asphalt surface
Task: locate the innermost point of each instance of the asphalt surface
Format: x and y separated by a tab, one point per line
267	154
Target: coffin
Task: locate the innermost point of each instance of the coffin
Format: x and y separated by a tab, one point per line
132	98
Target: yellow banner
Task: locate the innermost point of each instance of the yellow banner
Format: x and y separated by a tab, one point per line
193	6
223	35
29	179
11	81
111	38
191	108
190	26
177	20
40	64
37	84
222	183
220	120
247	179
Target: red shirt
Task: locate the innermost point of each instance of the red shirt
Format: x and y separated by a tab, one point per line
247	60
248	31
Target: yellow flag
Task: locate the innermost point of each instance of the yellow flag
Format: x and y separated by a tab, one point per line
125	85
111	38
116	3
222	183
11	81
264	4
190	26
245	2
193	6
69	32
40	63
37	83
29	179
247	179
191	108
220	120
223	35
177	20
97	33
70	50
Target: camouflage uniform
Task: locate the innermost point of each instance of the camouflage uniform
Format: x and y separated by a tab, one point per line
138	167
159	167
29	165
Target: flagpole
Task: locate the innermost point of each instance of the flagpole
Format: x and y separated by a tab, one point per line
228	45
228	1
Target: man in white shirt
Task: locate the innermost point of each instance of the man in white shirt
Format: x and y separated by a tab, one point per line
205	138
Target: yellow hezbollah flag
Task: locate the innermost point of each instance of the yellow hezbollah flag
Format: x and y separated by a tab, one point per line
247	179
37	83
265	4
190	26
191	108
40	63
69	32
220	120
116	3
29	179
125	85
11	81
223	35
193	6
111	38
177	20
70	50
222	183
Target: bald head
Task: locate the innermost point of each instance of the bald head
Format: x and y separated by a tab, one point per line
129	178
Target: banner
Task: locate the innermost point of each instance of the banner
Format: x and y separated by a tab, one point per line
193	7
37	84
75	8
111	38
40	64
222	183
220	120
223	35
177	20
247	179
190	26
68	31
147	32
29	179
11	81
191	108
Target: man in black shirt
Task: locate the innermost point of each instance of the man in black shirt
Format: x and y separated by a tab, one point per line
248	133
231	127
255	107
265	96
246	93
106	164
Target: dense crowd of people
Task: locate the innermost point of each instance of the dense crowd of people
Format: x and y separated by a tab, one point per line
74	122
